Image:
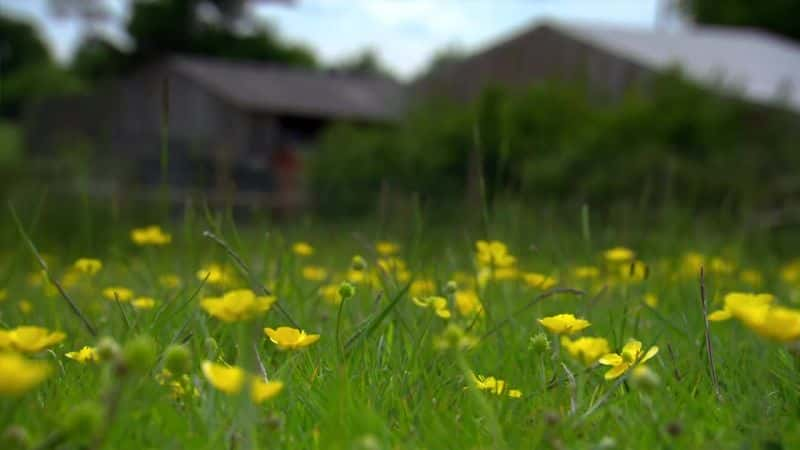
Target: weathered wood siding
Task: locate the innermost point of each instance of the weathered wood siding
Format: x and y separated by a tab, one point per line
541	54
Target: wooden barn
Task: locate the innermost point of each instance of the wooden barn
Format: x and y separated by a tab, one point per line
760	67
227	127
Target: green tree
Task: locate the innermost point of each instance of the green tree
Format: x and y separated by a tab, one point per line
27	70
219	28
778	16
366	62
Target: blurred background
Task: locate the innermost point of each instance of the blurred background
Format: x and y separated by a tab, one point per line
352	107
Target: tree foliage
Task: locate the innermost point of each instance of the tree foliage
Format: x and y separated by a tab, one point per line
218	28
27	69
671	142
778	16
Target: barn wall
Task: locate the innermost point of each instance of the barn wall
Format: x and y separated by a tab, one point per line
542	54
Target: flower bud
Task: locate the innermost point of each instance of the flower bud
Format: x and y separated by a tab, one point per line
451	287
358	263
211	348
107	349
83	420
644	378
177	359
346	290
139	353
606	443
539	344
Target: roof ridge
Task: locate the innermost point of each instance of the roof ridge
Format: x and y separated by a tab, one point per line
276	67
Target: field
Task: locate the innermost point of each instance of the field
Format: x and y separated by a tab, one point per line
431	334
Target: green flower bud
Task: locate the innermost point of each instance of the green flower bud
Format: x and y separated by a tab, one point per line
83	420
177	359
139	353
16	436
539	344
644	378
358	263
451	287
211	347
346	290
606	443
107	349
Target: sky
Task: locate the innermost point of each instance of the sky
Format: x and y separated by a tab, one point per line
405	34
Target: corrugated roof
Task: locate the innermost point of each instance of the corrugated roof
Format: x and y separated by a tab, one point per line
271	88
762	67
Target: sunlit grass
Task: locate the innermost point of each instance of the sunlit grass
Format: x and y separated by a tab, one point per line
429	337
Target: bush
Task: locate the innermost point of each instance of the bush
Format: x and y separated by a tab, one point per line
670	141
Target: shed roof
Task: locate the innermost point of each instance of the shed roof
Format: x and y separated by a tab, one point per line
262	87
762	67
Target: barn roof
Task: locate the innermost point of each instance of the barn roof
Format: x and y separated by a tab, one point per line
759	66
262	87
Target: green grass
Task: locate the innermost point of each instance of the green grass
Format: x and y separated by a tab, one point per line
10	142
390	387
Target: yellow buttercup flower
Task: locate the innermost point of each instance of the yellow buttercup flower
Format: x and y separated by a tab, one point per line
231	380
692	262
330	293
169	281
564	324
19	375
751	277
25	307
236	305
619	255
772	322
120	293
651	300
721	266
587	349
775	322
468	303
261	390
226	379
29	339
395	267
288	338
179	385
495	386
152	235
302	249
386	248
84	355
633	272
632	355
586	272
736	303
215	274
790	273
88	266
143	303
538	280
494	254
422	287
438	304
356	276
315	273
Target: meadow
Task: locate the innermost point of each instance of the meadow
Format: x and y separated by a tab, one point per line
516	330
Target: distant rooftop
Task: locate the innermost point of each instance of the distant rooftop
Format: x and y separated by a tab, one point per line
263	87
762	67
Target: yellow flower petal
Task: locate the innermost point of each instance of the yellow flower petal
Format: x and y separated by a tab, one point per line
264	390
616	371
611	359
